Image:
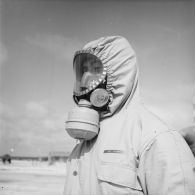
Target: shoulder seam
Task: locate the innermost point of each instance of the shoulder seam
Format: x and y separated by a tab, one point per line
150	141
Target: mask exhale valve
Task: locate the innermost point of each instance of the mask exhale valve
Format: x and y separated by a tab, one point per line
83	121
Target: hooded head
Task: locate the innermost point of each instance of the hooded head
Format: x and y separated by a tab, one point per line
119	59
113	65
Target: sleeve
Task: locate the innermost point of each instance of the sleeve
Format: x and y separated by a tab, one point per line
167	166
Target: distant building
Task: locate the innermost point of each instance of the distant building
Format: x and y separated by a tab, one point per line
6	158
57	156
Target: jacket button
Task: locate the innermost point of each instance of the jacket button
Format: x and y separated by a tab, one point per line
75	173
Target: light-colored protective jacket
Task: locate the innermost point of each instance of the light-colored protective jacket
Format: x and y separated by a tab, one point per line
135	153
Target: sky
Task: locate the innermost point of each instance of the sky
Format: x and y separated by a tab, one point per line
37	43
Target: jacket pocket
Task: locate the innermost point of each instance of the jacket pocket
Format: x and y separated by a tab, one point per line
119	175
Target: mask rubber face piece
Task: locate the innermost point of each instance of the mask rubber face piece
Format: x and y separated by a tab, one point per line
83	120
89	72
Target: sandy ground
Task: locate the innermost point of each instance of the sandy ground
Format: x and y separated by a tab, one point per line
32	178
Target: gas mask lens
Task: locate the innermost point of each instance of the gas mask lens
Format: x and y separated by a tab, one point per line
88	71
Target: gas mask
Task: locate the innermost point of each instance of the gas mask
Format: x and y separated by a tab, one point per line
91	96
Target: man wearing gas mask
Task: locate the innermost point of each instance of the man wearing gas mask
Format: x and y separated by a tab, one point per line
123	148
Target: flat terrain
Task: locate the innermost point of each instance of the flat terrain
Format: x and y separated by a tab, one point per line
32	178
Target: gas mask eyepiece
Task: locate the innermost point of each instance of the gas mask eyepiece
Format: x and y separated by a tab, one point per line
83	121
89	72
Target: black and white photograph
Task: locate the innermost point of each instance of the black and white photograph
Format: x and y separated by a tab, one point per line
97	97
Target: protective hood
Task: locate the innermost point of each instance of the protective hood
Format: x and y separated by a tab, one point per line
119	59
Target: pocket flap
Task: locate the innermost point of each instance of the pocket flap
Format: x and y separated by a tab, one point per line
119	175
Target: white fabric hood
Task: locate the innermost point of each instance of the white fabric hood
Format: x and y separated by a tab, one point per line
118	57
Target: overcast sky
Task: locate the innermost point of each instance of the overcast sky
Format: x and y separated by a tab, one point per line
37	43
